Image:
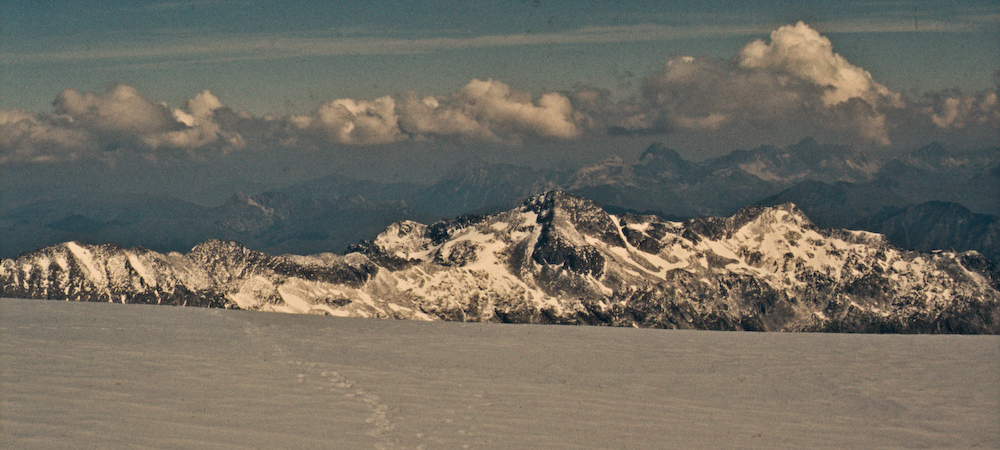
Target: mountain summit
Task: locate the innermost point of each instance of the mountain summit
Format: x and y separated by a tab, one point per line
559	258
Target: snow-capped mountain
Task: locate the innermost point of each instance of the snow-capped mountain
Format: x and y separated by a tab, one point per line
559	258
836	186
938	225
805	160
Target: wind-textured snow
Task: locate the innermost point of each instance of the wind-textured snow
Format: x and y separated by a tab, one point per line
92	375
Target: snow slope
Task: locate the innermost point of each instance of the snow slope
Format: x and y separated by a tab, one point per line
93	375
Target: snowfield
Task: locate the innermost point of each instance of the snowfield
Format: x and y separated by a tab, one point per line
104	376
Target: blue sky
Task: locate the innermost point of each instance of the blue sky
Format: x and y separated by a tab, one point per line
228	90
288	57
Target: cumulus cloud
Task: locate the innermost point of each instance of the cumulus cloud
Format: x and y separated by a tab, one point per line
25	137
350	121
788	87
200	129
481	110
968	119
121	110
120	120
489	109
796	83
501	109
957	111
801	52
123	120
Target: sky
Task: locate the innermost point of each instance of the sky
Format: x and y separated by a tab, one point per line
275	57
400	91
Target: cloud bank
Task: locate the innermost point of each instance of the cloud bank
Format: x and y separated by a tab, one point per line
481	111
120	120
795	81
793	85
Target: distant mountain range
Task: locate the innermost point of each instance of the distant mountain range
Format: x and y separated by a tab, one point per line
557	258
837	186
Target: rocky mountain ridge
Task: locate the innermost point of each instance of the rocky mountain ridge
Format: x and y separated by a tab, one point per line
837	186
559	258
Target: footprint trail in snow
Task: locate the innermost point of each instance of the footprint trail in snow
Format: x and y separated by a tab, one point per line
325	378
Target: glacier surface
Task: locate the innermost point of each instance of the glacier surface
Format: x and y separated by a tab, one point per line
99	375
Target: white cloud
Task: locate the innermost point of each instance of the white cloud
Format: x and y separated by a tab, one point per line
25	137
121	120
359	122
121	110
800	51
960	111
200	128
430	116
482	110
795	84
501	112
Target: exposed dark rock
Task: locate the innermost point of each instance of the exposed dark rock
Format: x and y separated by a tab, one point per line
559	259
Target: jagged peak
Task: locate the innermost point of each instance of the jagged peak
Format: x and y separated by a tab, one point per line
614	163
402	238
611	171
785	211
557	209
70	246
766	278
216	245
724	227
557	199
807	148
